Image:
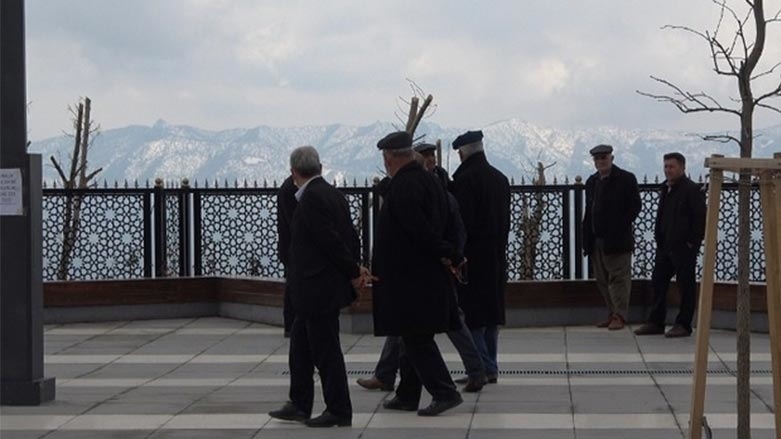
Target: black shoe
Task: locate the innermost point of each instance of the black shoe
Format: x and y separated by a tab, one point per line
463	380
398	404
437	407
289	412
678	331
329	420
650	329
491	378
374	383
475	384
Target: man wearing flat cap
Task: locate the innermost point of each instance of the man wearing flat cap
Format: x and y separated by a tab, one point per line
483	194
429	153
612	205
412	265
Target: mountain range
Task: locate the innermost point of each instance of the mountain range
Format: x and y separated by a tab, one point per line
172	152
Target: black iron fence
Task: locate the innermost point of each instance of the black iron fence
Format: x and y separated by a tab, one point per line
183	231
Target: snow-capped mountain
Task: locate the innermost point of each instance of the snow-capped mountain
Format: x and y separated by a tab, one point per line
173	152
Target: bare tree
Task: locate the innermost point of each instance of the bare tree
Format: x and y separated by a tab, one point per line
736	56
77	178
411	112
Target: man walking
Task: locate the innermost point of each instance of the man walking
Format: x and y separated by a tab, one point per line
612	205
323	274
412	263
679	230
483	195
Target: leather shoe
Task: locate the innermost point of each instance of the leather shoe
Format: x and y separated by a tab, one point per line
605	323
491	378
327	419
436	407
617	323
463	380
475	384
374	383
289	412
650	329
398	404
678	331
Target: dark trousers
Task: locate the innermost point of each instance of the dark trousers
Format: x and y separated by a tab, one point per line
314	342
386	368
421	365
683	267
287	311
486	340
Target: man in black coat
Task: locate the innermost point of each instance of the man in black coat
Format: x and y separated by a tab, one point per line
323	273
483	194
679	230
412	263
612	205
286	205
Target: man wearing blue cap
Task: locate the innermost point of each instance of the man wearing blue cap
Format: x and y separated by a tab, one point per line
483	194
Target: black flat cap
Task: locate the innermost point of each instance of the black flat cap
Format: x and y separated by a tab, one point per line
425	147
397	140
467	138
601	149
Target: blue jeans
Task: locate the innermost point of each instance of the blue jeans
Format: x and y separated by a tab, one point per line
486	339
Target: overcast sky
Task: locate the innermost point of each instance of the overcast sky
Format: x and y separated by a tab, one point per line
221	64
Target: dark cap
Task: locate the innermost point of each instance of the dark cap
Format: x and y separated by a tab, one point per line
425	147
397	140
601	149
467	138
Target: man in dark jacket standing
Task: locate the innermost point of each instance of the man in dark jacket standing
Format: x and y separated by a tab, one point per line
612	205
483	194
679	230
413	296
323	274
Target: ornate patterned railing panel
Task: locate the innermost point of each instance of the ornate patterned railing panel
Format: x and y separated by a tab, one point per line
536	247
110	242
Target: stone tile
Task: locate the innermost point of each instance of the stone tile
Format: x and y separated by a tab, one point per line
116	422
618	399
99	434
522	434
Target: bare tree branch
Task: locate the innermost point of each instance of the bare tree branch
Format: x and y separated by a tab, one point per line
720	138
771	94
688	102
765	73
60	171
93	174
770	107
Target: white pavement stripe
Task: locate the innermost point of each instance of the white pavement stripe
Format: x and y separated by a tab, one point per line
156	331
153	359
624	421
381	420
116	422
213	422
373	357
503	382
759	421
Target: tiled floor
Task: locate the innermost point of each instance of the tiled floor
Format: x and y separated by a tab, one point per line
217	378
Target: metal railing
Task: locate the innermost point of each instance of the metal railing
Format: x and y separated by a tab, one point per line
185	231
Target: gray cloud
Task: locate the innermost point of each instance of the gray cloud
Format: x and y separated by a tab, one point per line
229	63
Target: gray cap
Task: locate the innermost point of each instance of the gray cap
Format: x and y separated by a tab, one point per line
601	149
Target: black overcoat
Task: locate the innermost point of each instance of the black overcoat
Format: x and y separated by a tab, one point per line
414	293
483	195
286	205
324	251
618	206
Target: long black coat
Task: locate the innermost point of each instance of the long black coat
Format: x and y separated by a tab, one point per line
414	292
286	205
618	205
680	218
483	194
324	251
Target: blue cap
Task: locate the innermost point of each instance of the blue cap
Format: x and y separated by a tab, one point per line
467	138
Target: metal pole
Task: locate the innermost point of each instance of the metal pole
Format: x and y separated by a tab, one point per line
21	284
